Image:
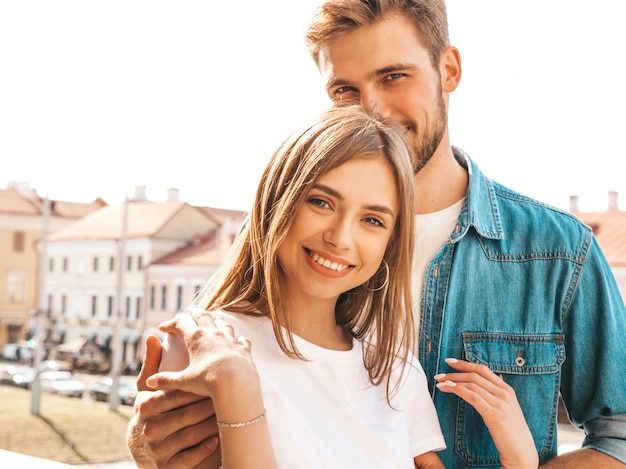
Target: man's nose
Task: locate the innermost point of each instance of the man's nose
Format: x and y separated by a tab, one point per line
374	104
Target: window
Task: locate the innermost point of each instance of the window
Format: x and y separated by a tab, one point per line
179	297
95	264
16	287
137	306
152	296
94	302
51	265
139	263
163	298
111	264
18	241
65	264
128	306
50	299
63	303
129	263
110	306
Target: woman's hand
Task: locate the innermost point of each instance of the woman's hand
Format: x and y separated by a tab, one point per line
497	403
220	363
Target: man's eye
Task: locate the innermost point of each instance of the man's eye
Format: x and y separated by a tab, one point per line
394	76
345	95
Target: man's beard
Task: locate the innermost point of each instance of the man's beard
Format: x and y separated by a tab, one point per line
425	143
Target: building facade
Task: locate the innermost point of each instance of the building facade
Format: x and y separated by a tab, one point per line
21	228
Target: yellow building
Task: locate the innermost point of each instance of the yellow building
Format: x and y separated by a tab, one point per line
21	223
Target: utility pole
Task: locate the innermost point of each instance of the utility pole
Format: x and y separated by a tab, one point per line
114	398
35	407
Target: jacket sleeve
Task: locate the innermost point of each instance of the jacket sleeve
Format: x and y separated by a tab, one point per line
593	383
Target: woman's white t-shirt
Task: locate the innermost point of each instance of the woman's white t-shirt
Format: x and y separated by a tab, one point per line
325	413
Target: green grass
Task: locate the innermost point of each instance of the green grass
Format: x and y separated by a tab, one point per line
68	430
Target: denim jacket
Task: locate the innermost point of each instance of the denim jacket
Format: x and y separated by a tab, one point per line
524	288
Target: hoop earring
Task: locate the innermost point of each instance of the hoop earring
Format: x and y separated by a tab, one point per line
384	283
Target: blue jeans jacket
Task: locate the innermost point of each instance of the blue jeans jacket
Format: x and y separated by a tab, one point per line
524	288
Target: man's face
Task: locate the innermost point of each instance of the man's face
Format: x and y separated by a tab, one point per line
385	68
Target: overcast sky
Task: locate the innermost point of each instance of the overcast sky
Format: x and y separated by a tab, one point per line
97	97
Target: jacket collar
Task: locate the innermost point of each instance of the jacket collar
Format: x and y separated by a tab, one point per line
481	209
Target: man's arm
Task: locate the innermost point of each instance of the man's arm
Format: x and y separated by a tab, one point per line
583	459
172	429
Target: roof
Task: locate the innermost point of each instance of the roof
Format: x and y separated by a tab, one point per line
609	228
14	202
222	215
203	250
144	219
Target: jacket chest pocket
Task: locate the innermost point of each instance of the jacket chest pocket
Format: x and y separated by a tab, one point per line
530	364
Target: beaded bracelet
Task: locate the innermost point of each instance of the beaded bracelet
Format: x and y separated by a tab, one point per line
243	424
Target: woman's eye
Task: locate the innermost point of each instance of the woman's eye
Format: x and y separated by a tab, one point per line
375	221
319	202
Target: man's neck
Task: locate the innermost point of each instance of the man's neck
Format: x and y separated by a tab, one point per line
441	183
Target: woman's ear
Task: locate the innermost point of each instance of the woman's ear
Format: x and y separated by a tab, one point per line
450	69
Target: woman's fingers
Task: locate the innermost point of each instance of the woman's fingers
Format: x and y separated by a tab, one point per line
473	380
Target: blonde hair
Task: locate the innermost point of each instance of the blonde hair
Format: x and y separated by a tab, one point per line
248	281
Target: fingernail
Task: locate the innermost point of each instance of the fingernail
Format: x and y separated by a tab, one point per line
440	376
450	384
451	360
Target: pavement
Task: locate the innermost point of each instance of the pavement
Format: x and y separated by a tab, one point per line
10	459
569	439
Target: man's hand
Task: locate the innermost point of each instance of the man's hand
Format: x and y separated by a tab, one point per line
170	429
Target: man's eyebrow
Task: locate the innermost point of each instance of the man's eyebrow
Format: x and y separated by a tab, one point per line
375	208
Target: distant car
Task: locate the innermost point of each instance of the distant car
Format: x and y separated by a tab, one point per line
55	365
101	389
18	375
15	352
23	377
62	383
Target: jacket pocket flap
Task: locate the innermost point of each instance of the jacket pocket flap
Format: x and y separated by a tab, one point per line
515	353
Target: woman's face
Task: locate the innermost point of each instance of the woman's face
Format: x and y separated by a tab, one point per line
340	233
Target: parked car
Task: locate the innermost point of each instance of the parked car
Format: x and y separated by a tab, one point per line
23	377
62	383
101	389
16	352
55	365
18	375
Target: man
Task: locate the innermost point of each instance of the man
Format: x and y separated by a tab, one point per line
501	279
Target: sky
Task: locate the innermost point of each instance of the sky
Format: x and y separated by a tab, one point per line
100	96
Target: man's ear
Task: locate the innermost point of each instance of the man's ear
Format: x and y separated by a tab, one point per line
450	69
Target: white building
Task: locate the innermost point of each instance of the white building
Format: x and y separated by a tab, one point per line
84	260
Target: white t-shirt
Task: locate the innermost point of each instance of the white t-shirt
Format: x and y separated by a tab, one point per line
325	413
431	231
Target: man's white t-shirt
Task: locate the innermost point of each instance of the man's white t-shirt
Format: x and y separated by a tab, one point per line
325	413
431	231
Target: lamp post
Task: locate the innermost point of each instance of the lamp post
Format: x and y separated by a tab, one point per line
35	407
114	398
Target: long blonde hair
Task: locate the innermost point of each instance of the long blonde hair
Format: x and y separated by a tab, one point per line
248	280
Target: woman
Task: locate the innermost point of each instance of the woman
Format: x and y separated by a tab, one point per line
322	267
